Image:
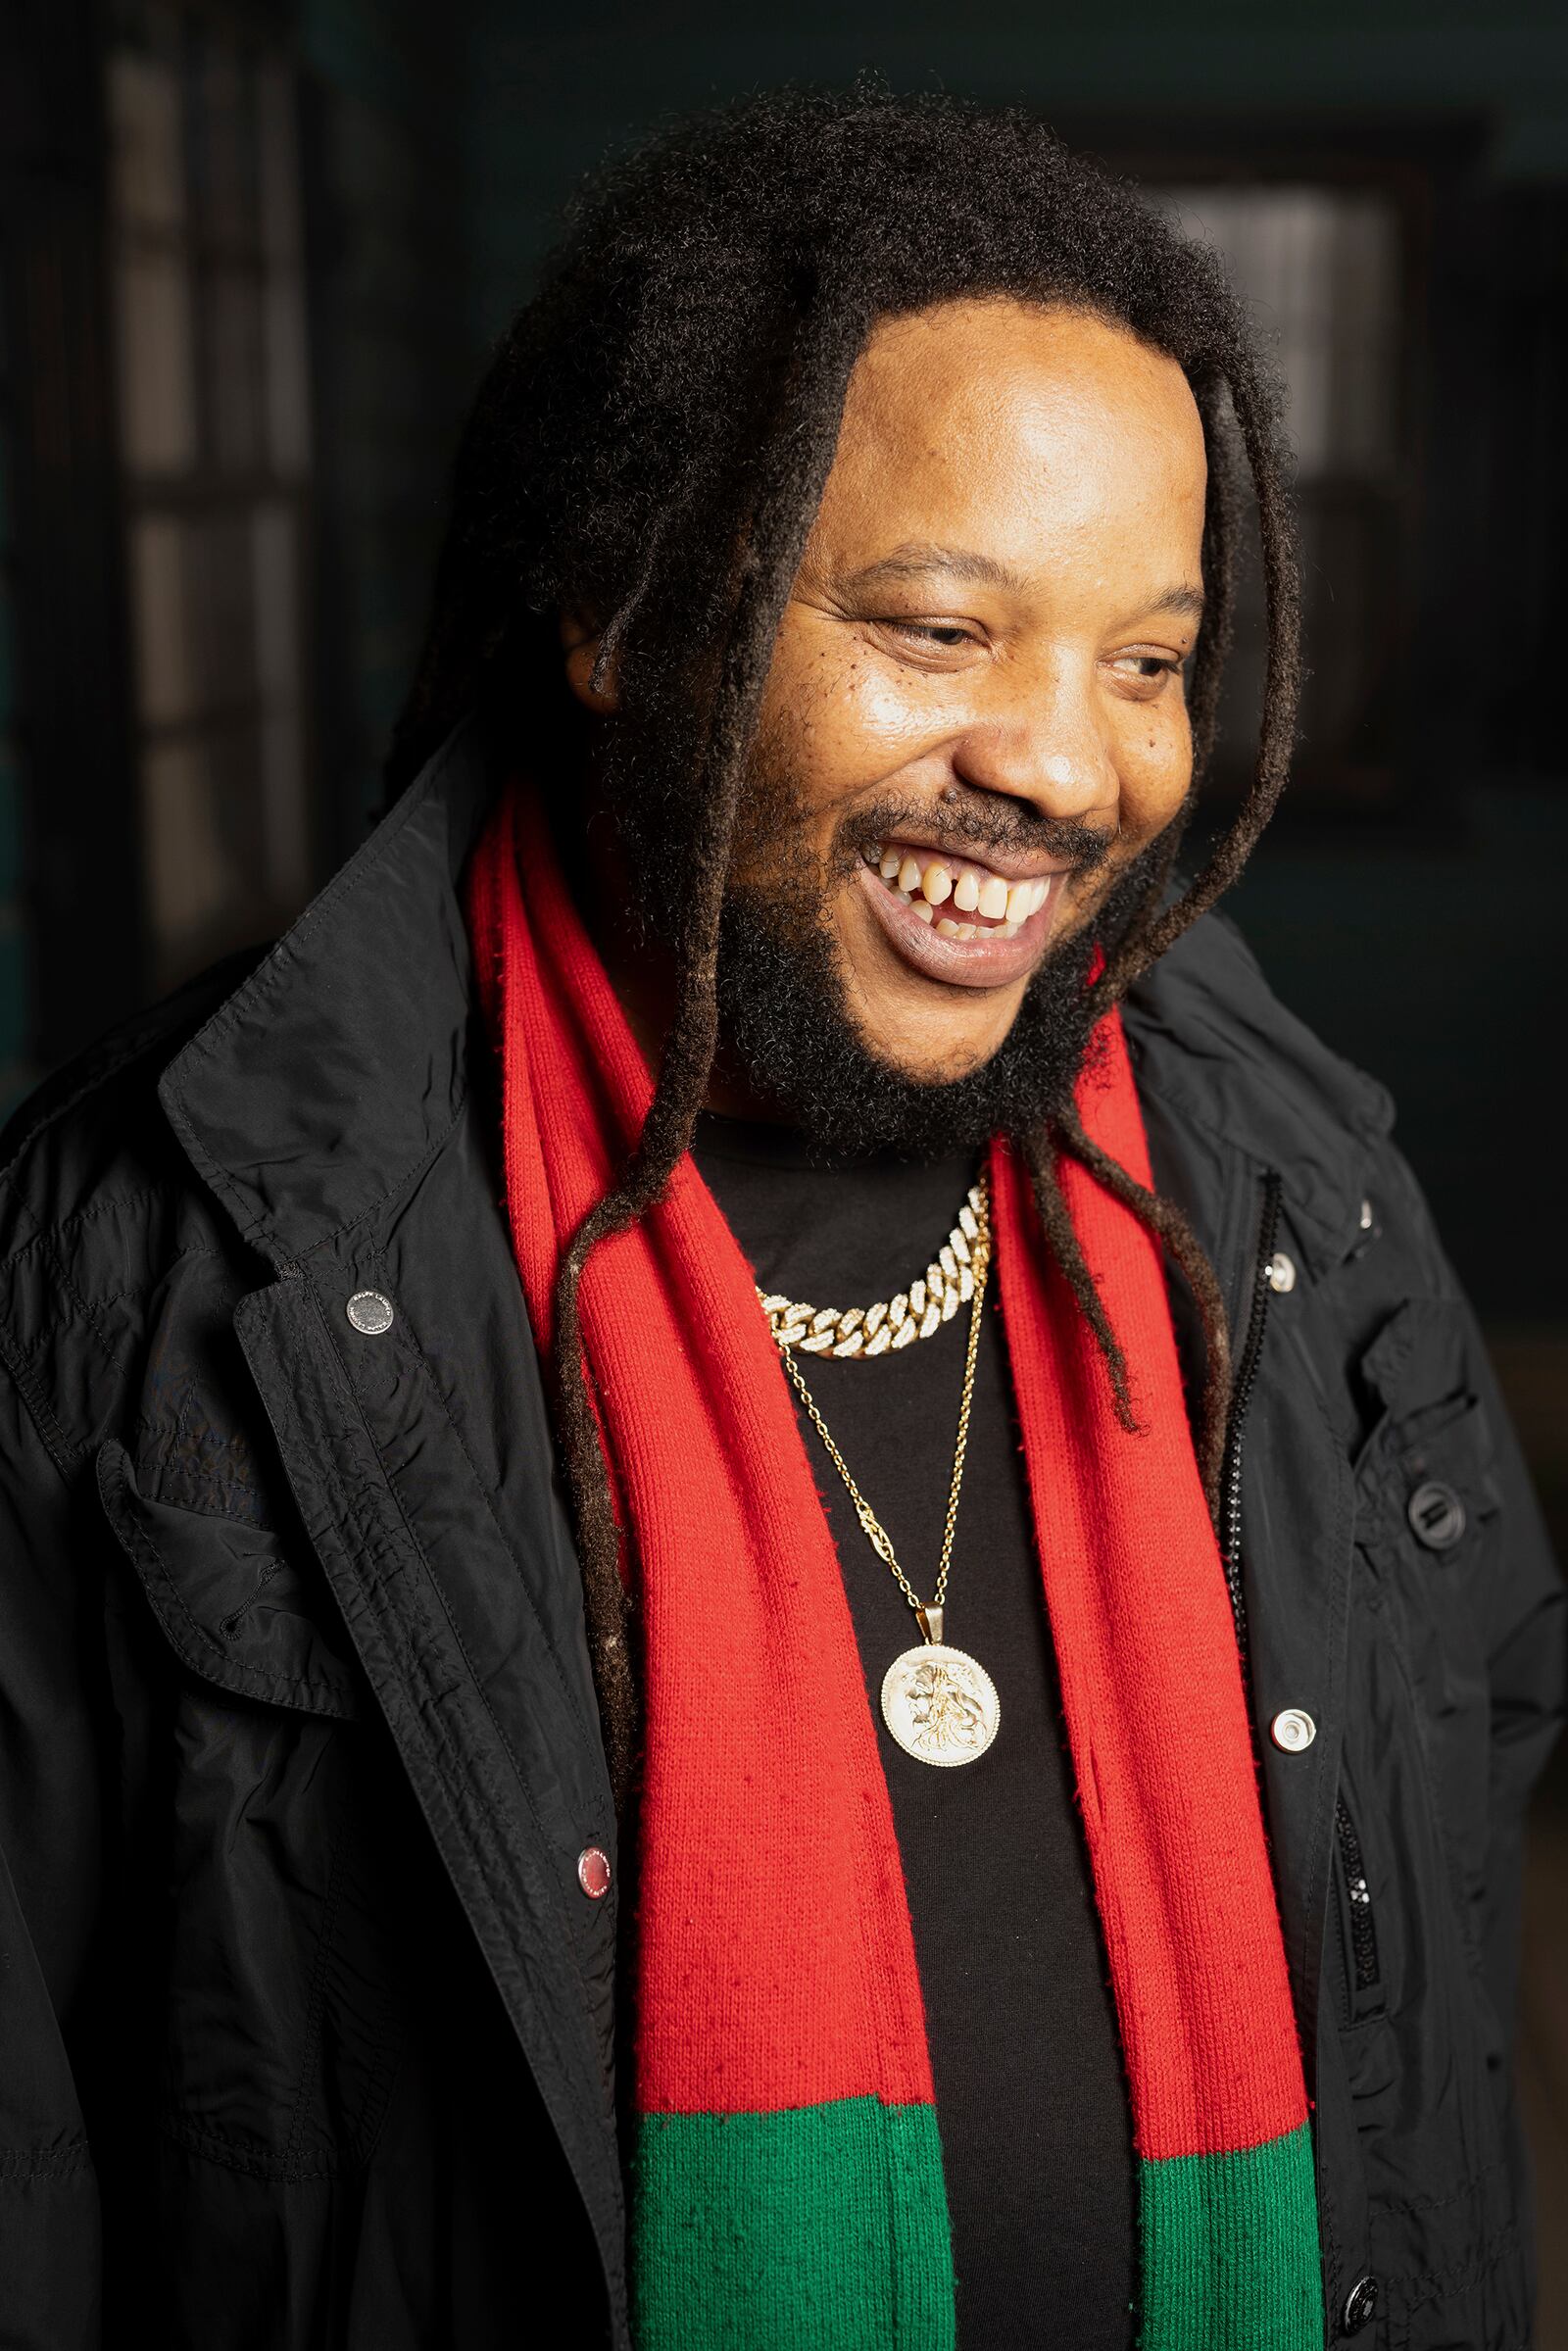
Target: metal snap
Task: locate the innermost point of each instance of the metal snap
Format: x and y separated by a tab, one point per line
1365	1218
369	1311
592	1872
1435	1515
1293	1730
1280	1271
1360	2306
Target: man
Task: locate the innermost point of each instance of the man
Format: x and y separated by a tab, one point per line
983	1803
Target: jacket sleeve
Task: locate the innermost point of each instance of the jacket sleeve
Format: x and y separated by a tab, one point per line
1523	1623
51	1877
1528	1669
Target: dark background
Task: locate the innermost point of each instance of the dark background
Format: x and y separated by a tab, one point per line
250	260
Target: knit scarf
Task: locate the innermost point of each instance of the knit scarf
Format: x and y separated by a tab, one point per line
787	2175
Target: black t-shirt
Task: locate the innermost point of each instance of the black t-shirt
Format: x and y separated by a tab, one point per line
1031	2092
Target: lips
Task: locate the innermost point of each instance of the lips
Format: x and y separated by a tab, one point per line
954	919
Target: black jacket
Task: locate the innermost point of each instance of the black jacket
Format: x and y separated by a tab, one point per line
306	2023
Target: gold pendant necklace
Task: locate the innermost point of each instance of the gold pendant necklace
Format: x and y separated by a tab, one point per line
938	1702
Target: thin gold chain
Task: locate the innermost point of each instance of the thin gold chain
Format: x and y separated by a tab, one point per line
875	1532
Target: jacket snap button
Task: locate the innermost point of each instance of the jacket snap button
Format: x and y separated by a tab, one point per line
1360	2306
1365	1219
592	1872
369	1311
1293	1730
1436	1514
1281	1271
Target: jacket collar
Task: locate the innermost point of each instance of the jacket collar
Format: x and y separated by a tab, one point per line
338	1067
317	1089
1216	1049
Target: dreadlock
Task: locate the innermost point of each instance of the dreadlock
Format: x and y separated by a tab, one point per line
650	447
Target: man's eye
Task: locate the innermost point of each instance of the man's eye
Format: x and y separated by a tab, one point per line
1147	665
931	632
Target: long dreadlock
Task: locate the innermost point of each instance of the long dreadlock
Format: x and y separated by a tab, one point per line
651	446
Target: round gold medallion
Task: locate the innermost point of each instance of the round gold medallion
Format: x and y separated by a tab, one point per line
940	1704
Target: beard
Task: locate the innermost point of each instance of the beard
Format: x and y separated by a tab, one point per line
785	1023
786	1030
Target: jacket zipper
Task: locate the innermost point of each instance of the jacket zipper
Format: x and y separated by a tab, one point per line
1230	1485
1362	1954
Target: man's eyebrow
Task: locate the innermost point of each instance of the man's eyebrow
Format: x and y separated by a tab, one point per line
916	558
1184	603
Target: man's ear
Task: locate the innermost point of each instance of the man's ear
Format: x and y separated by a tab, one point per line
580	641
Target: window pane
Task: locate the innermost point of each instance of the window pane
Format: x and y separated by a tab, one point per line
165	657
157	407
224	610
274	549
234	362
146	163
189	872
224	187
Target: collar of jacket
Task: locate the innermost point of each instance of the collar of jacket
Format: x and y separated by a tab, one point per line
340	1063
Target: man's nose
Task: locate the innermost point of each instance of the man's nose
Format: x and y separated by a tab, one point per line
1047	746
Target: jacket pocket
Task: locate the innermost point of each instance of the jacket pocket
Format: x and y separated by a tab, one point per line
261	1936
1426	1522
232	1601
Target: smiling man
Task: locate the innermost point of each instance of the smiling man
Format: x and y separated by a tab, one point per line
760	1588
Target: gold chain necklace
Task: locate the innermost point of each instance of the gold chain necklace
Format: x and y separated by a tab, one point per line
938	1702
946	1284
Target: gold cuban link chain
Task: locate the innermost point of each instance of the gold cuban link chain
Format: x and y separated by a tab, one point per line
876	1533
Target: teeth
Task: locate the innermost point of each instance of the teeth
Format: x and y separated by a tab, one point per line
966	930
989	895
924	913
947	930
1007	930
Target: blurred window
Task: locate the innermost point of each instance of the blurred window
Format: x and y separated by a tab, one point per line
1322	272
214	442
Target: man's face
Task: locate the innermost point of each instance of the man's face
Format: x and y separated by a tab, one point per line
975	718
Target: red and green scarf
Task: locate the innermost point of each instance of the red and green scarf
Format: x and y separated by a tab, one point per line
787	2178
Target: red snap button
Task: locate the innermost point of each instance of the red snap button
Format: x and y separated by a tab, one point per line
592	1872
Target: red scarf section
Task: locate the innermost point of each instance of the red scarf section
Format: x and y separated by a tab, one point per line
787	2178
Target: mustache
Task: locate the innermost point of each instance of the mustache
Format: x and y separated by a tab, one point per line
972	827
